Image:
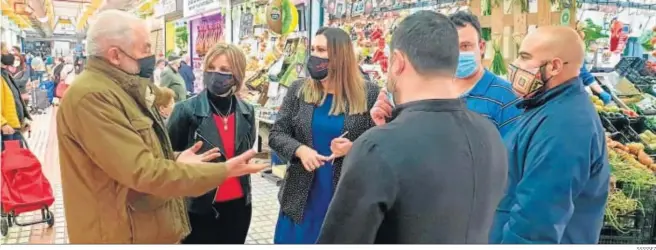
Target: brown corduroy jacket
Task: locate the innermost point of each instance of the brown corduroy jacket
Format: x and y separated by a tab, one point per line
120	181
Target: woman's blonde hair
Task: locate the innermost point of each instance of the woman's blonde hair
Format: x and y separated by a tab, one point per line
236	58
343	72
163	97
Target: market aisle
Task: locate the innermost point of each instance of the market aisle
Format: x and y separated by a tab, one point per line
43	142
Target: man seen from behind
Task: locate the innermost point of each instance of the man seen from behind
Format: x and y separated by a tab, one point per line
436	172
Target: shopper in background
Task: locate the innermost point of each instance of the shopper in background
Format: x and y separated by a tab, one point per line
558	172
38	68
219	119
164	103
68	68
14	117
78	67
57	70
171	78
436	172
160	65
590	81
318	120
20	73
121	180
187	74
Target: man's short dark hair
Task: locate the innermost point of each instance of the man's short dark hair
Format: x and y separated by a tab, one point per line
462	18
430	42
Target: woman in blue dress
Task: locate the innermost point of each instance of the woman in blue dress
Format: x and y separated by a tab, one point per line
318	121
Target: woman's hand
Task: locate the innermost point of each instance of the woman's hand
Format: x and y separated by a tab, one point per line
310	158
340	147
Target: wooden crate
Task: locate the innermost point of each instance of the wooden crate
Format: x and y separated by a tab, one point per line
509	24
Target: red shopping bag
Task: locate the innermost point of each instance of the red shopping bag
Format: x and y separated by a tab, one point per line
24	187
61	89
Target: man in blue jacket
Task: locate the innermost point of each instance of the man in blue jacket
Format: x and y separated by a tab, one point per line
558	167
187	74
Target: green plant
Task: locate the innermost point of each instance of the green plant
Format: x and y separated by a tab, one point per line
486	34
592	32
498	63
181	37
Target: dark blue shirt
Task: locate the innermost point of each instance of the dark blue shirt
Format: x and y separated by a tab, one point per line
558	172
493	98
188	76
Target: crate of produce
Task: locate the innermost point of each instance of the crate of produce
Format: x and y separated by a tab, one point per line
631	210
630	214
628	65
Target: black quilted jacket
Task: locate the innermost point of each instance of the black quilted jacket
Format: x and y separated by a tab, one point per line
293	129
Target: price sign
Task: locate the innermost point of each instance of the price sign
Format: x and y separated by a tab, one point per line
565	17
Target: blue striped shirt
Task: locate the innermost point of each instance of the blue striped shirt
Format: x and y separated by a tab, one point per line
493	98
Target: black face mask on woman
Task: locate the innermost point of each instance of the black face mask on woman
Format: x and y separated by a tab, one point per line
219	84
7	60
317	67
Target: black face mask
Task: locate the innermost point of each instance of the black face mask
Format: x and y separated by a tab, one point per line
317	67
219	84
7	59
146	65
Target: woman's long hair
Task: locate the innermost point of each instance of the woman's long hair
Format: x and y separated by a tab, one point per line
236	58
343	72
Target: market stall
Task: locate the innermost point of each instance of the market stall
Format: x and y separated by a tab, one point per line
630	125
274	37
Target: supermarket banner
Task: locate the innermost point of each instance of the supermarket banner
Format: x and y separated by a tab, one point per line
196	7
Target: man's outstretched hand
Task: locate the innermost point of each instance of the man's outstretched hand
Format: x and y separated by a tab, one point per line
238	165
190	156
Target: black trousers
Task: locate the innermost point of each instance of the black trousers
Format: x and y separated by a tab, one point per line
230	228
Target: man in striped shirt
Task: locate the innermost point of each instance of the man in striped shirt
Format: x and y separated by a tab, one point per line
484	92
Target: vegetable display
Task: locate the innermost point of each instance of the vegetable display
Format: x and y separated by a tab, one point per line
632	179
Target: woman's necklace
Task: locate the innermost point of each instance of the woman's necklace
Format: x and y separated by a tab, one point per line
224	117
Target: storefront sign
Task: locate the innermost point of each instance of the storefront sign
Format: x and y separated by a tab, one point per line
169	6
196	7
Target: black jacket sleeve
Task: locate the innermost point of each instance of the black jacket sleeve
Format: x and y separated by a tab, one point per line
281	137
179	124
365	192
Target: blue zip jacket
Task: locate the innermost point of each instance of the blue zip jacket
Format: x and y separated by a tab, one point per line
558	172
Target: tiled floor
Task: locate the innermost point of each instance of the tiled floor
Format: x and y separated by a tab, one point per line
44	145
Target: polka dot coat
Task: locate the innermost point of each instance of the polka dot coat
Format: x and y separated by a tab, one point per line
293	129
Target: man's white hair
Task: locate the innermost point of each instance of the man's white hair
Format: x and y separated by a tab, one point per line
111	28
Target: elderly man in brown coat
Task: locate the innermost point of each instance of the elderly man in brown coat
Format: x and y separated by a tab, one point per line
122	182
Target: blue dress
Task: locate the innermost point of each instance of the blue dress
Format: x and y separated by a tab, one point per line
325	128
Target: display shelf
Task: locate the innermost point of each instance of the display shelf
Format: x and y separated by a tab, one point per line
610	80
